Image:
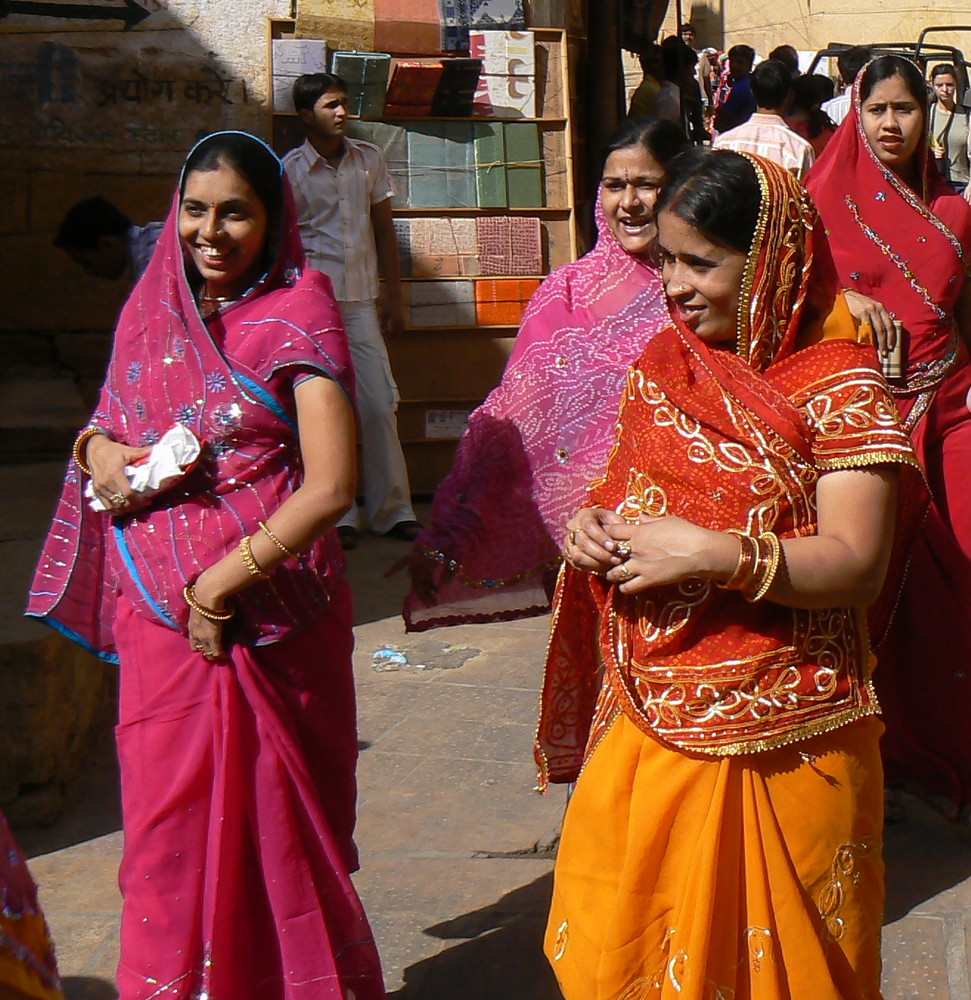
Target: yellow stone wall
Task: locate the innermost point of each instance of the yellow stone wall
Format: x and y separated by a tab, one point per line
812	24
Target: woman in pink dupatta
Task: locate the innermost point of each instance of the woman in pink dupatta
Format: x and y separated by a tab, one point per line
237	735
899	235
491	549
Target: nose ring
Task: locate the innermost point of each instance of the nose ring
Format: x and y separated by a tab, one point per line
680	290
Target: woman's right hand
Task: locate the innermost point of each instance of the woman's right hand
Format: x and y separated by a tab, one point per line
588	546
867	310
107	460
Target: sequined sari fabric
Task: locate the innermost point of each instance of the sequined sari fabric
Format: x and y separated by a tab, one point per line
238	787
522	467
682	710
909	250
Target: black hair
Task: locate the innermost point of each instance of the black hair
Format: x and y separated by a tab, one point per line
850	61
716	191
662	138
686	26
311	87
88	221
808	93
788	56
942	69
745	52
246	155
771	84
885	67
676	55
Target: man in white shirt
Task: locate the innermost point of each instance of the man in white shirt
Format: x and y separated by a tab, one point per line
343	193
766	133
849	63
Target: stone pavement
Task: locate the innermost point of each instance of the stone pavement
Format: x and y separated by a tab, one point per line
454	843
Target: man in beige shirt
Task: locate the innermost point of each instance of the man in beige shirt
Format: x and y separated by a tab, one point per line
343	192
766	133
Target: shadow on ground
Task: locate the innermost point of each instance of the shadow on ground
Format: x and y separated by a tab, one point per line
500	954
925	855
87	988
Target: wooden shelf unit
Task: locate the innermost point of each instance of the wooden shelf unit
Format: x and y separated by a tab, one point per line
452	368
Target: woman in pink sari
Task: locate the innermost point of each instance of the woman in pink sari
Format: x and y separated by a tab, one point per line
899	235
223	600
491	549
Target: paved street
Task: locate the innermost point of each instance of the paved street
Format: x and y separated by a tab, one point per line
454	842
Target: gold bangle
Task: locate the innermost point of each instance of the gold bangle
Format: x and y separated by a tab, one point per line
741	578
276	541
80	443
249	560
189	593
770	558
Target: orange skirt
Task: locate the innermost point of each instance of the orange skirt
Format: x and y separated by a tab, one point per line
734	878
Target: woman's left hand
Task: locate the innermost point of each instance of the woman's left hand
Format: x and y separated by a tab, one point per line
668	550
206	636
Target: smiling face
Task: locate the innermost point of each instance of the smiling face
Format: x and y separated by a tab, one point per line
630	184
223	225
893	123
702	279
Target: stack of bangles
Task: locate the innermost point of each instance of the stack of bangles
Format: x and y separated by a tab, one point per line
758	564
245	549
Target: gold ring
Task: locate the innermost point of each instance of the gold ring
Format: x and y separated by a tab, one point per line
117	500
622	549
625	574
573	536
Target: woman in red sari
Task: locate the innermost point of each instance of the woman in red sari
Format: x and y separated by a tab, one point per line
223	600
900	235
709	672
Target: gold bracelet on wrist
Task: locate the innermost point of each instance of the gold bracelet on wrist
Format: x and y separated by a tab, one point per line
249	560
742	576
189	593
276	541
80	445
770	557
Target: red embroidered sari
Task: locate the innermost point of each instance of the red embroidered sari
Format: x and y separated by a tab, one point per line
908	250
716	698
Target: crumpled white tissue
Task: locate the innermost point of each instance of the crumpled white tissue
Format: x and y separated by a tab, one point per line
165	464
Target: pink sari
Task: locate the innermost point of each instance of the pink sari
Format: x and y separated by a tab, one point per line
523	465
908	251
238	783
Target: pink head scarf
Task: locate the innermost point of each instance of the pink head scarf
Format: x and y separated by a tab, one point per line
523	465
230	380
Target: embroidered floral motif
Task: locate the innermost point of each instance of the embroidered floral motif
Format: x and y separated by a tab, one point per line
845	871
759	943
134	371
215	381
227	418
562	939
150	436
185	413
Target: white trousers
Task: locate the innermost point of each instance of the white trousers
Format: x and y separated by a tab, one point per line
387	495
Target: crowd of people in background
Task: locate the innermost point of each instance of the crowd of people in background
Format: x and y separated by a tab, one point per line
710	92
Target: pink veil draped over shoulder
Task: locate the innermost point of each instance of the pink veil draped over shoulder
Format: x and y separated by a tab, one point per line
523	465
217	378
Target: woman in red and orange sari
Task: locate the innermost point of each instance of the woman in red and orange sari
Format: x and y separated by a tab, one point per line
709	671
